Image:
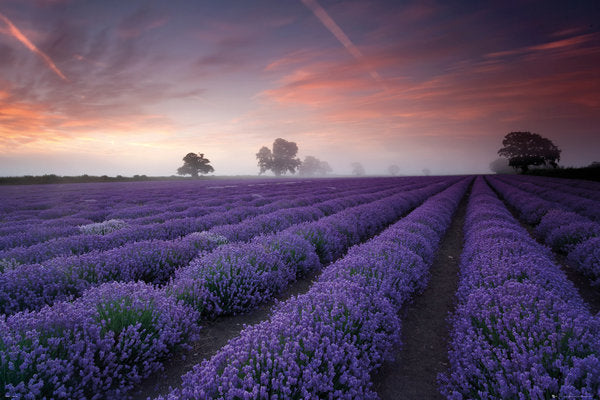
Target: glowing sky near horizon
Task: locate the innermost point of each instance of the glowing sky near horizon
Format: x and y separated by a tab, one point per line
130	87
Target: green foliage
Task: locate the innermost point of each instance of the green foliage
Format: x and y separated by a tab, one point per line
118	315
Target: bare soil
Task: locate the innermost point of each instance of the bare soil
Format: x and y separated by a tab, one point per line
425	329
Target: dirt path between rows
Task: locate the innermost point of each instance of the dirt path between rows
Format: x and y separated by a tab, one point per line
213	336
425	332
590	294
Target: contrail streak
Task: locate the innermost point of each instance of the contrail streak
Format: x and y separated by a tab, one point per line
14	31
334	28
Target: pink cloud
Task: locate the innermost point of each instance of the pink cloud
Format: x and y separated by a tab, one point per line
472	96
18	34
553	45
25	123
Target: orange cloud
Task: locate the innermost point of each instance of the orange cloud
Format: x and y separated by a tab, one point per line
17	34
38	126
473	97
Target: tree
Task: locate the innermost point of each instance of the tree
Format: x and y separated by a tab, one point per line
525	148
281	160
195	163
265	159
312	166
357	169
324	168
394	170
426	171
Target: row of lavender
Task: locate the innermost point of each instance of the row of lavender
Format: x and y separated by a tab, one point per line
30	287
567	232
144	211
157	231
64	204
67	237
109	200
96	203
562	195
236	277
521	329
586	189
100	345
35	231
327	342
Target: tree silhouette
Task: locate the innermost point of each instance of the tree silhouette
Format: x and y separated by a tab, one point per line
394	170
312	166
525	148
265	159
357	169
195	163
281	160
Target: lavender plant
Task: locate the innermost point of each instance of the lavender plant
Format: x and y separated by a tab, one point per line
97	347
327	342
562	230
520	329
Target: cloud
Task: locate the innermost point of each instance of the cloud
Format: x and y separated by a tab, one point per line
553	45
17	34
38	125
339	34
474	96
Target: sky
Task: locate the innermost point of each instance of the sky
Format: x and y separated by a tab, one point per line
130	87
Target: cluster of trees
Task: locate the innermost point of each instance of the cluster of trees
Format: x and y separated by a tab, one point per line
280	160
521	150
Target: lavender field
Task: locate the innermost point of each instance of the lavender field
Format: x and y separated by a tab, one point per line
103	285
